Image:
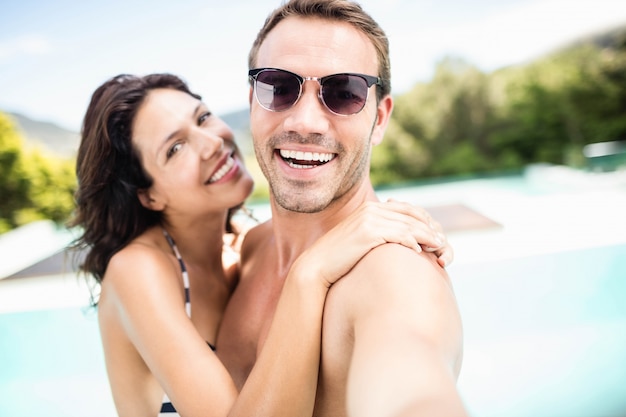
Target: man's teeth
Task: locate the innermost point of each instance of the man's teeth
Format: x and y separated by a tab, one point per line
307	156
230	162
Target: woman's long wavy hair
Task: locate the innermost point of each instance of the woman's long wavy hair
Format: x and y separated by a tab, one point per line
109	172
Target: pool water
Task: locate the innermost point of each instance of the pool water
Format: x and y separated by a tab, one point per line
545	335
52	365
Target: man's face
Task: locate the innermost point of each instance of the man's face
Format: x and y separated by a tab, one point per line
309	155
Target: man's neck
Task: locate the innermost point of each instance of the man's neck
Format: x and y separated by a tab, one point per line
295	232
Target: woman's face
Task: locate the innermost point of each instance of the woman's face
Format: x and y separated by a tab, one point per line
190	154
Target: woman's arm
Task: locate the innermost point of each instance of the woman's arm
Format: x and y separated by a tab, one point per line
283	381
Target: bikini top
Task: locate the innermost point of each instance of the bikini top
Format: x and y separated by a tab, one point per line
183	270
167	408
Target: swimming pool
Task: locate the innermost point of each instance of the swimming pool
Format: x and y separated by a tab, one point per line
542	299
545	335
51	364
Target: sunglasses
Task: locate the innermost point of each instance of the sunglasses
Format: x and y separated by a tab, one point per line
343	94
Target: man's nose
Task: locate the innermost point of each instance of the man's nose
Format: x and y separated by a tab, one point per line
308	115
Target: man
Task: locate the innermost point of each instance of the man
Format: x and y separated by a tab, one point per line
392	336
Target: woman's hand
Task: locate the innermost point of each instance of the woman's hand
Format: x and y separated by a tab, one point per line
444	252
373	224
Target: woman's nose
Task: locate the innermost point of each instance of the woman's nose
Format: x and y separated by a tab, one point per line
209	145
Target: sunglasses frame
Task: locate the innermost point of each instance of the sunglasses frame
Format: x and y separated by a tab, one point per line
370	80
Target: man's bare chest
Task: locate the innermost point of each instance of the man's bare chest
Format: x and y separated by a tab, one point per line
247	320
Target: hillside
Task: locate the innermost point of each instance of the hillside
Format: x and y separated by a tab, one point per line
52	137
239	121
611	38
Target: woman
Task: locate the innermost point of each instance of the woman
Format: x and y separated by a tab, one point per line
159	176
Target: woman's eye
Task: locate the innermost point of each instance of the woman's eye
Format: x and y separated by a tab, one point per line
175	148
203	117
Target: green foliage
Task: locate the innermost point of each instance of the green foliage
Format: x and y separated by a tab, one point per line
465	122
33	185
13	182
400	157
52	188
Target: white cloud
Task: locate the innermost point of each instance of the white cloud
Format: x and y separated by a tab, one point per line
31	44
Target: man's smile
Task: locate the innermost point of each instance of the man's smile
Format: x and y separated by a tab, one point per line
305	160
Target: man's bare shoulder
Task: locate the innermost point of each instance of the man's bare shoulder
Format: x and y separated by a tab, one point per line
399	284
392	277
393	264
254	237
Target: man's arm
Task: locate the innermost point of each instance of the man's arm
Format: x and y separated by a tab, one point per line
407	337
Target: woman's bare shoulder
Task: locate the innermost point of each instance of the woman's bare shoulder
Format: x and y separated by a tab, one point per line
141	265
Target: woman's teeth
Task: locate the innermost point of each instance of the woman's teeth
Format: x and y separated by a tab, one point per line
230	162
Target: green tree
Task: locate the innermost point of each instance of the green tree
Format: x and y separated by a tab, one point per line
14	185
565	101
465	122
33	184
399	157
441	127
52	186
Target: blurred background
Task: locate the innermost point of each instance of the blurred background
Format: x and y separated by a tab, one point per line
480	87
509	125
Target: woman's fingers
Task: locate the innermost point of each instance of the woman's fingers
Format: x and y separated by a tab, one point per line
435	241
371	225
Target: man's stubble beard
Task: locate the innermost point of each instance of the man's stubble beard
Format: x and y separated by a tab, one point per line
296	197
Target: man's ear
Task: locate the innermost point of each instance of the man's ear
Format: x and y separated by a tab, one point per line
382	120
146	200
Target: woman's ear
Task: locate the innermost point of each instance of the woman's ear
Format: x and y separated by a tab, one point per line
146	200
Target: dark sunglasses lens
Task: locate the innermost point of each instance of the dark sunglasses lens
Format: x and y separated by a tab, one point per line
345	94
277	90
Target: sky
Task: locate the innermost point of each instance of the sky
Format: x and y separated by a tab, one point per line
53	55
